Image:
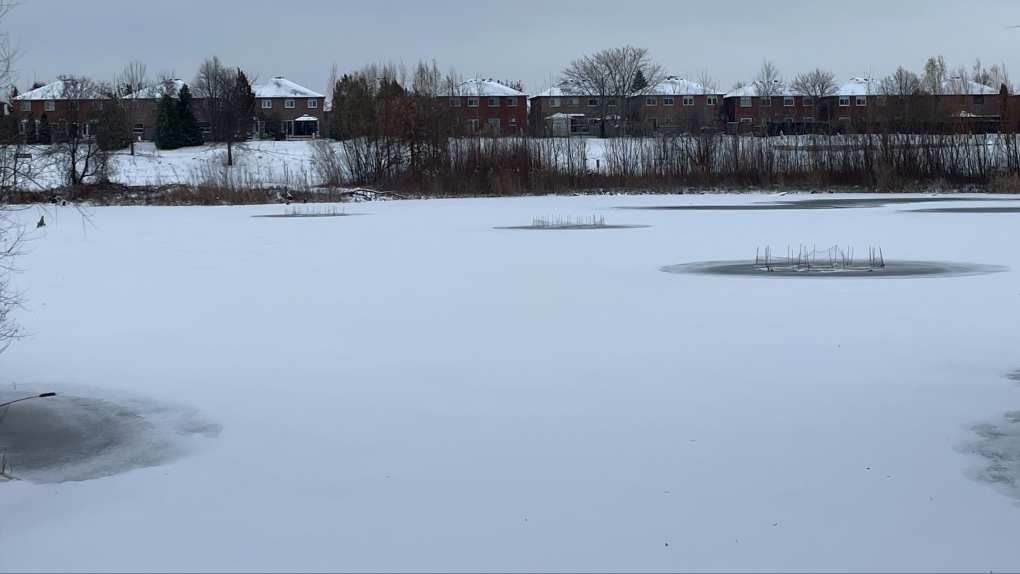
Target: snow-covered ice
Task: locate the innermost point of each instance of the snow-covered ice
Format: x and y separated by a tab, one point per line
413	389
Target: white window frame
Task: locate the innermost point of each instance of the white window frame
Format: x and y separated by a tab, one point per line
745	101
266	104
573	102
668	101
881	101
788	120
766	101
49	106
844	101
809	101
23	126
593	102
745	120
26	105
492	102
651	101
473	102
808	119
73	105
511	101
669	120
860	101
611	102
138	129
512	122
288	104
554	102
454	102
688	100
473	124
788	101
97	104
844	118
313	104
712	100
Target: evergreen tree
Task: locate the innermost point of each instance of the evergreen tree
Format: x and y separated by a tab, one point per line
168	134
190	133
639	82
31	135
112	130
43	134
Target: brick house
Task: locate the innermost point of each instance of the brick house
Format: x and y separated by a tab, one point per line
754	106
66	108
486	106
570	109
287	110
676	105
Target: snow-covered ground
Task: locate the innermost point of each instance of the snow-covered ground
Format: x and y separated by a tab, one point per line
412	389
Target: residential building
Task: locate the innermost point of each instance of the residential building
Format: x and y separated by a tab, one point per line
487	107
287	110
676	105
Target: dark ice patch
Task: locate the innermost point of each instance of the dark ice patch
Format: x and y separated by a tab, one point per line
892	269
75	437
998	446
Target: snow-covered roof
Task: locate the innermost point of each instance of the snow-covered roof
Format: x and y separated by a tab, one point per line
307	118
774	88
61	89
479	87
562	90
858	87
157	91
561	115
280	87
962	86
676	86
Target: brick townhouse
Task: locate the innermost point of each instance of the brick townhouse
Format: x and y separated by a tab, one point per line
284	109
488	107
677	105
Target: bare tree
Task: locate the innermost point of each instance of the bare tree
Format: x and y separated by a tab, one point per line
213	83
768	82
129	85
935	74
610	74
818	84
80	156
902	82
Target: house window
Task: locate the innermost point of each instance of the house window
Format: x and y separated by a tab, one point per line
688	100
205	127
573	102
788	119
454	102
472	102
473	124
592	102
26	106
266	104
651	102
139	129
844	118
808	119
511	101
979	99
808	101
74	105
313	104
745	120
513	122
880	100
49	105
766	101
97	104
667	101
493	102
611	102
844	101
712	100
494	124
23	126
861	100
669	120
745	102
787	101
594	120
554	102
288	104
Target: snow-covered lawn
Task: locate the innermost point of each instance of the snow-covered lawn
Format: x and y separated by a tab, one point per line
413	389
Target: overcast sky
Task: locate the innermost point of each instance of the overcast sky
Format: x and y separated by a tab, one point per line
529	41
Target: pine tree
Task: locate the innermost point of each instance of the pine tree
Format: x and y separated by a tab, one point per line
168	134
43	134
639	82
112	129
190	133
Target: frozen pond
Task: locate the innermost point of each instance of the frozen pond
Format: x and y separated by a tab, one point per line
418	391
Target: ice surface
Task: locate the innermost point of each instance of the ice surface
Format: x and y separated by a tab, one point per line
416	391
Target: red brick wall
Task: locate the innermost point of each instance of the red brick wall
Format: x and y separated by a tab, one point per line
513	119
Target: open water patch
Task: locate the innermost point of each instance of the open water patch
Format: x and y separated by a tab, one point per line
84	434
825	203
892	269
